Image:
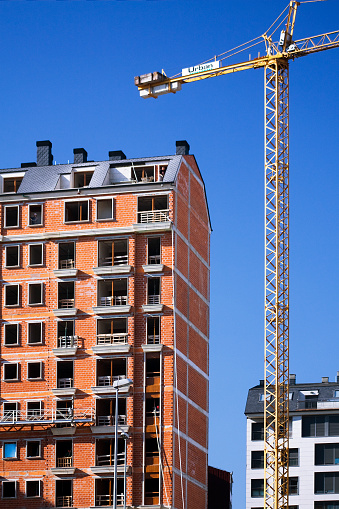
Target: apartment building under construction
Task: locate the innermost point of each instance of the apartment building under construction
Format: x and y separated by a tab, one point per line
105	277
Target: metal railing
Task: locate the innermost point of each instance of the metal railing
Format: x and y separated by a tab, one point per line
109	420
307	405
64	462
67	264
107	380
154	259
153	339
67	341
66	303
47	416
107	500
115	300
108	459
112	339
154	299
117	260
65	383
34	414
153	216
64	501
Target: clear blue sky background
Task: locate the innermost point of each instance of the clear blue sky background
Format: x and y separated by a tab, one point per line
67	70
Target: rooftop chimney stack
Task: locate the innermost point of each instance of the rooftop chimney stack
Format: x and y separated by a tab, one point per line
337	376
116	155
324	380
293	378
44	153
80	155
182	148
261	383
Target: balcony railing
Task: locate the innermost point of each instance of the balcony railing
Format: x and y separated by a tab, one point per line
67	341
107	380
307	405
117	260
34	415
65	383
108	459
66	303
153	216
154	299
109	420
65	501
47	416
154	259
112	339
107	500
153	339
67	264
115	300
64	462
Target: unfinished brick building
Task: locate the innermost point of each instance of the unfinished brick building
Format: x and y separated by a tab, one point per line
105	276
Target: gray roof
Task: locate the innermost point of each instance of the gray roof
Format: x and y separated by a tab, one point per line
296	402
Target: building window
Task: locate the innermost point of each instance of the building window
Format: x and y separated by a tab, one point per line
331	504
76	211
11	295
66	255
293	457
63	493
111	332
143	173
34	370
257	459
104	492
35	215
109	370
33	489
151	490
326	454
66	295
257	431
82	178
336	394
112	292
8	489
326	482
105	209
65	374
10	411
112	252
10	450
153	290
35	294
11	334
11	372
64	409
35	254
11	216
153	250
66	337
257	488
12	256
34	333
34	410
64	455
153	209
320	426
293	486
153	330
105	411
33	449
12	184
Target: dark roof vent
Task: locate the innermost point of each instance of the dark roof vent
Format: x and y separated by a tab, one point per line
182	148
44	153
80	155
116	155
324	380
27	165
261	383
293	378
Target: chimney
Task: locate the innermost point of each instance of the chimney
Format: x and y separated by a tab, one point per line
292	378
261	383
80	155
337	376
182	148
116	155
44	153
324	380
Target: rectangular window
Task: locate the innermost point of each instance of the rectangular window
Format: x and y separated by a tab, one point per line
65	374
11	216
34	370
63	493
326	482
82	178
293	457
34	333
11	295
10	411
10	450
11	371
153	209
153	290
34	410
293	485
326	454
33	489
153	251
35	294
257	488
11	334
111	332
8	489
35	253
76	211
12	184
143	173
105	209
257	459
112	292
257	431
66	295
320	426
66	255
35	215
33	449
66	337
153	330
112	252
336	394
12	256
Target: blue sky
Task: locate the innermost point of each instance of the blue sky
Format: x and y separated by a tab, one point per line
67	70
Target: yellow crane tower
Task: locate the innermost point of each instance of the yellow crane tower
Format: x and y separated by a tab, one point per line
276	66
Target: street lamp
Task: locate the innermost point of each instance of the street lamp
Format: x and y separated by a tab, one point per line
125	436
123	383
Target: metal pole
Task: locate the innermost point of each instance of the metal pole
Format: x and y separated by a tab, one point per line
125	466
115	450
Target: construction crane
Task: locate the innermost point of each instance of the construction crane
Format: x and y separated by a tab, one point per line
276	66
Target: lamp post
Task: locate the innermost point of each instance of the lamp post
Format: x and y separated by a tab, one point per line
123	383
125	436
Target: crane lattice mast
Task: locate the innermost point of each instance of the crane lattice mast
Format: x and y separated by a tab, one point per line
276	66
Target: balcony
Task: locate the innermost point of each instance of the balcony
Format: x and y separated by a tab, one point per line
107	500
50	416
105	416
112	297
66	269
153	216
104	492
66	299
113	257
66	345
105	385
64	501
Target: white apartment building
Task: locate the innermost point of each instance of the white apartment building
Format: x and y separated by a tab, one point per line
314	445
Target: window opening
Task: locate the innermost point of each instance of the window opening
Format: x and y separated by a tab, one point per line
34	410
66	337
64	456
34	370
35	291
11	334
11	371
105	209
153	290
11	295
113	252
66	255
35	215
8	489
64	409
151	453
257	431
109	370
12	256
326	454
153	330
34	333
151	490
104	492
32	489
257	488
113	292
153	250
65	374
11	216
11	185
63	493
76	211
33	449
82	178
35	254
105	411
257	459
112	332
293	457
10	411
143	173
105	452
66	295
152	209
10	450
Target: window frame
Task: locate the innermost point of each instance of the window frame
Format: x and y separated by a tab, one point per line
151	237
33	440
30	205
11	176
33	480
41	332
81	171
30	256
7	285
41	370
2	488
80	200
18	264
17	405
17	372
17	333
4	442
32	304
98	200
258	488
6	207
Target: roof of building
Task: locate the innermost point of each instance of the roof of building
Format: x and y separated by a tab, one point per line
322	393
